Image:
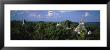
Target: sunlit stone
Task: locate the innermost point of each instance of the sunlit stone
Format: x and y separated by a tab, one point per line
89	32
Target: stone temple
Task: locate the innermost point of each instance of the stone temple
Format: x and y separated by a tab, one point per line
81	27
23	22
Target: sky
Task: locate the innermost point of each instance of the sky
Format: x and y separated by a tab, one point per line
55	15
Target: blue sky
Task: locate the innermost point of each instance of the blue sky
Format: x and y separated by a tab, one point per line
56	15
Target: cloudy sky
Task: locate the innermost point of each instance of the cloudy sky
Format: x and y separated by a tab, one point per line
56	15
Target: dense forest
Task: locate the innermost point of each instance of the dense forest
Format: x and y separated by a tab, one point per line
52	30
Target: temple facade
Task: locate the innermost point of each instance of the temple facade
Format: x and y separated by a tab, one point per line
81	27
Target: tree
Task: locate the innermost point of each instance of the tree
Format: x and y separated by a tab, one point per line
67	23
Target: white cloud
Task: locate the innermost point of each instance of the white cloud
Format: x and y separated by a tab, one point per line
22	12
64	11
34	15
86	14
50	13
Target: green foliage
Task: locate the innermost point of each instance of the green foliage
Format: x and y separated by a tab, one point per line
82	34
49	31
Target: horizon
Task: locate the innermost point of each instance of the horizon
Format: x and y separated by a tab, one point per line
42	21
